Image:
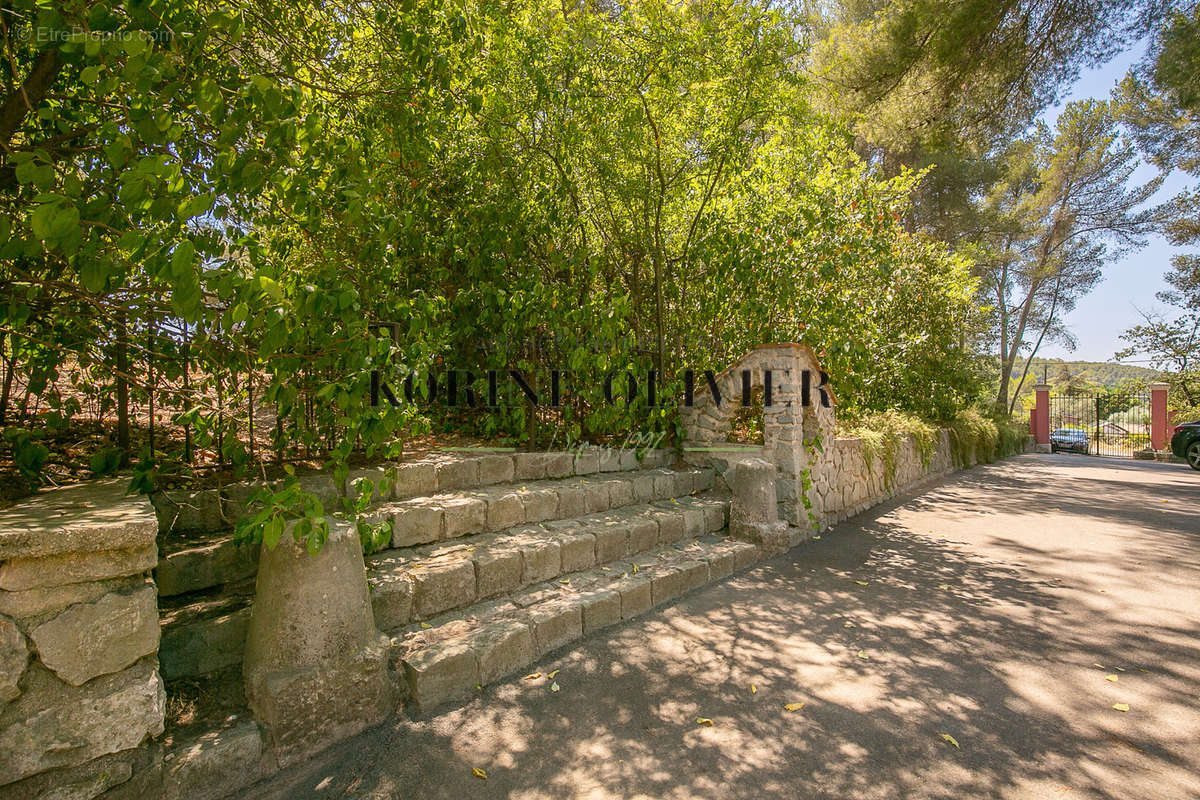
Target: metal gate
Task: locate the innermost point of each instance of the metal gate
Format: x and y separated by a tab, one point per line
1112	423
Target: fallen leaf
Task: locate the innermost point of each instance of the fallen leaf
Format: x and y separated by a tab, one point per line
861	583
635	569
533	675
551	675
703	721
951	740
478	773
816	537
862	654
1111	678
426	625
793	706
1119	669
1121	706
554	686
753	689
944	587
1097	666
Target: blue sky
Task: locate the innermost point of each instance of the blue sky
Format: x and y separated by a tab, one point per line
1130	283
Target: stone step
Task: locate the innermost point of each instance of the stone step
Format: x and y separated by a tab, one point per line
421	582
451	515
198	638
218	509
444	659
198	561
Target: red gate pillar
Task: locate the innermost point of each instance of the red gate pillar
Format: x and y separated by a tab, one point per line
1041	416
1158	416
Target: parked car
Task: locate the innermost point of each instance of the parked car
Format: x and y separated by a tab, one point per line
1070	439
1186	443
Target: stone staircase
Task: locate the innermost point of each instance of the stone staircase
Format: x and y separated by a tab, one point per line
495	560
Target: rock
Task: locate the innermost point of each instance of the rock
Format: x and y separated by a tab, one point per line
752	483
587	462
666	585
415	478
559	465
498	568
80	518
416	522
315	667
529	466
190	511
555	623
442	584
643	533
215	765
54	724
18	574
391	599
495	469
463	516
541	558
598	499
670	527
611	541
601	609
541	504
621	492
504	510
91	639
203	645
501	648
310	708
636	595
34	606
578	549
204	566
572	502
441	672
112	775
458	474
14	655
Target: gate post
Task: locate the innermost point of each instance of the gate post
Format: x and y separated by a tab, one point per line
1158	416
1041	417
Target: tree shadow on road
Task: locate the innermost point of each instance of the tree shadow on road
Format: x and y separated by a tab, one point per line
890	638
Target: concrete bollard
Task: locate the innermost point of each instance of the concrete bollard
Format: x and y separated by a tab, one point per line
753	508
315	668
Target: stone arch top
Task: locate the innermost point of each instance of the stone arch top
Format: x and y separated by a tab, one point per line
792	413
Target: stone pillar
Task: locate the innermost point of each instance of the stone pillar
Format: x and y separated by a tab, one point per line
80	693
1041	417
797	436
1158	416
753	508
315	668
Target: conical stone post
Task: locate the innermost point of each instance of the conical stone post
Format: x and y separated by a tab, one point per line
315	668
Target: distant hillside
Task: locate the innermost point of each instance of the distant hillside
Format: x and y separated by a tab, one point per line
1080	375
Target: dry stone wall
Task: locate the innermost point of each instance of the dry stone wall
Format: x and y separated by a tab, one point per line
80	691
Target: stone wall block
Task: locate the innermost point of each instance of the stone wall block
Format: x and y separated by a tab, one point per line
91	639
54	724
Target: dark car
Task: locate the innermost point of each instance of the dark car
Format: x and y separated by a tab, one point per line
1070	439
1186	443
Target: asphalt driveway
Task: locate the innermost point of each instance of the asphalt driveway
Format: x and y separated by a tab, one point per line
967	642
